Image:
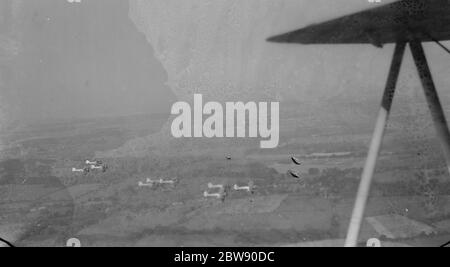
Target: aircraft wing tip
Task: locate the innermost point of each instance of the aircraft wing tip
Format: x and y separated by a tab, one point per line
300	36
274	39
283	38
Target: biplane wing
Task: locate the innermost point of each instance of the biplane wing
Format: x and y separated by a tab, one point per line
406	20
403	22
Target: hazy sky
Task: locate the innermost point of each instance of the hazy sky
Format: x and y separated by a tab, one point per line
78	60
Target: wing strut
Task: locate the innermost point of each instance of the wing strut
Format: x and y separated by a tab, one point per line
437	114
434	103
377	138
388	24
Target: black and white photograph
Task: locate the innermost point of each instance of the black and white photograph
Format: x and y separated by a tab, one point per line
261	125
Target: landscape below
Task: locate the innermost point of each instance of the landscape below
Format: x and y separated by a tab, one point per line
44	203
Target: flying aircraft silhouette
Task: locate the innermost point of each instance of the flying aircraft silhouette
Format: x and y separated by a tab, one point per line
296	161
294	174
403	22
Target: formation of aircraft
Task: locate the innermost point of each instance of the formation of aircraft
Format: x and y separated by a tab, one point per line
295	174
91	166
96	165
221	191
403	22
215	191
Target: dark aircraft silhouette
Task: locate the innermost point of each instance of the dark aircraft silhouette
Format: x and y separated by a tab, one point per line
294	174
296	161
403	22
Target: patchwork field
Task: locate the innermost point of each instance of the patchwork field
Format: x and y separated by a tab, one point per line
43	203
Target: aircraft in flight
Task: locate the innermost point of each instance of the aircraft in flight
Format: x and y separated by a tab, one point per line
95	162
294	174
403	22
296	161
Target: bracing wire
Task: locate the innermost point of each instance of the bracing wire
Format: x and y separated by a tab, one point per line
438	43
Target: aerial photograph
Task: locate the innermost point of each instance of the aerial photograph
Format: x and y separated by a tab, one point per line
224	123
